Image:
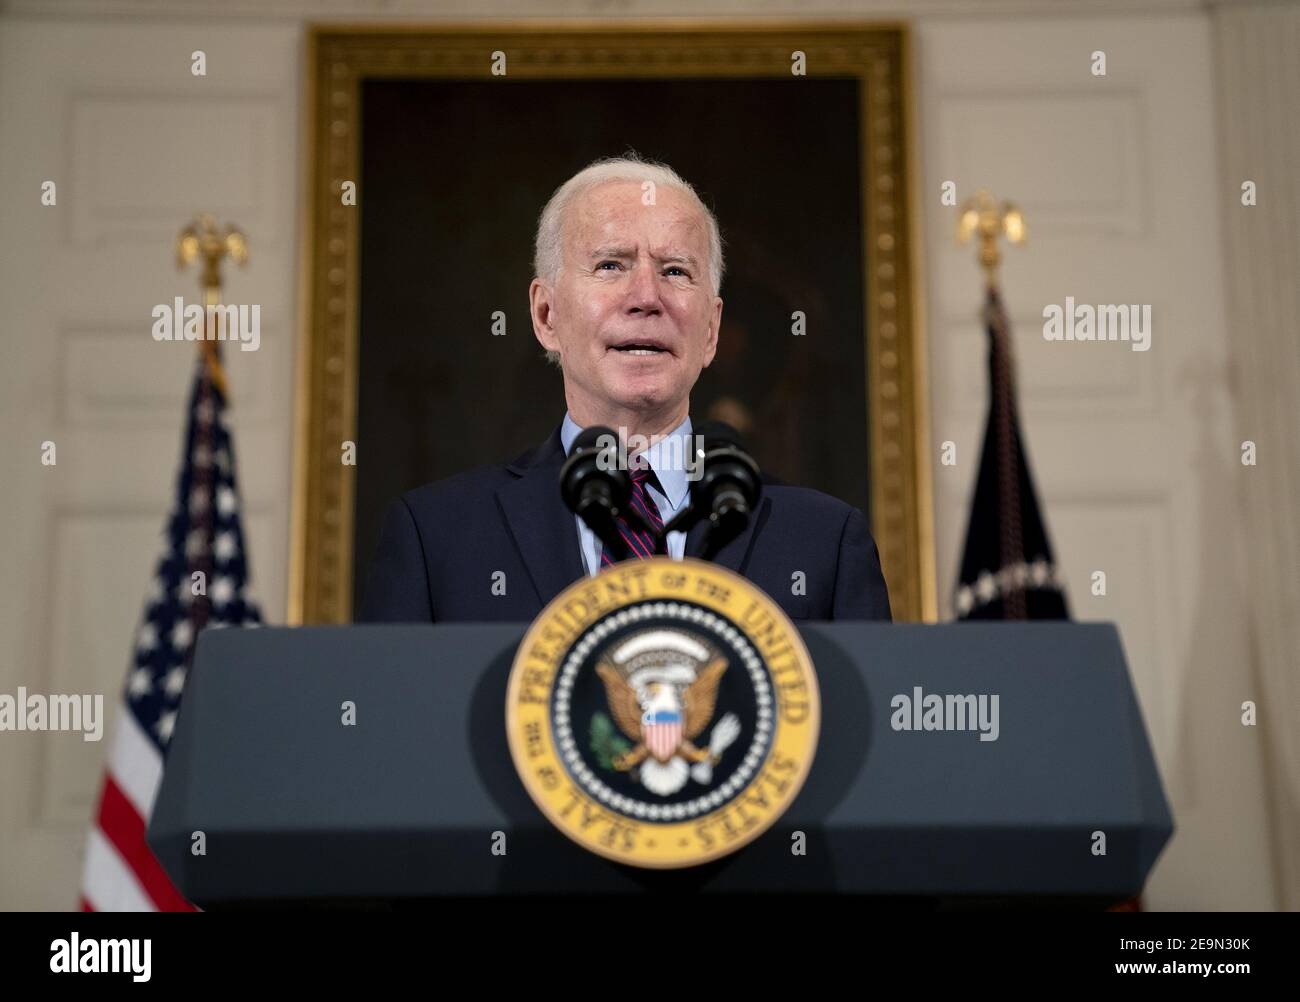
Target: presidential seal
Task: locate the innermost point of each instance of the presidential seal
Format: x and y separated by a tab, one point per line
663	713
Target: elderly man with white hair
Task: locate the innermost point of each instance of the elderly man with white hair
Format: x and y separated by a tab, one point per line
629	266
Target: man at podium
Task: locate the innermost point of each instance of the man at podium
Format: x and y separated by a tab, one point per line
625	301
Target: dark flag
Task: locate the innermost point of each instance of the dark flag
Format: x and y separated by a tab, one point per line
1007	571
198	584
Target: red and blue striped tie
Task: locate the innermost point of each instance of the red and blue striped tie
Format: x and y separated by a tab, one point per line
641	545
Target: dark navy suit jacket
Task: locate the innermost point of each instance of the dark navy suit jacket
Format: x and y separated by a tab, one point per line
442	544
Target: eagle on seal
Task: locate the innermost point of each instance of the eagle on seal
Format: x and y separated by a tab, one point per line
662	708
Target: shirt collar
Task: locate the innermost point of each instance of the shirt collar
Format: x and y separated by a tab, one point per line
661	455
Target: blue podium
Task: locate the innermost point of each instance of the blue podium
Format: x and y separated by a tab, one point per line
1031	777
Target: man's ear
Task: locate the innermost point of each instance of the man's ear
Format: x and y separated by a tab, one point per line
711	345
542	312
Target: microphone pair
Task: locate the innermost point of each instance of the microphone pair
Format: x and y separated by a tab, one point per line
596	485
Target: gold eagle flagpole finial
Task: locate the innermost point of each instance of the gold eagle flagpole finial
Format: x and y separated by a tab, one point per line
982	215
203	241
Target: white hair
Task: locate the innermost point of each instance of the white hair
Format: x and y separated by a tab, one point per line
548	251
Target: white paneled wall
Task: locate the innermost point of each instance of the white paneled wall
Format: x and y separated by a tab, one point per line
1259	118
1132	451
136	146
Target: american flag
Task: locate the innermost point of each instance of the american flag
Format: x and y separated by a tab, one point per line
203	537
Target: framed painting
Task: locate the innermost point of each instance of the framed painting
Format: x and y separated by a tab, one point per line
416	344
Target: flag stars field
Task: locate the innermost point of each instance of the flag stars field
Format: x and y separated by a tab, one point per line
181	635
175	681
141	683
223	590
224	546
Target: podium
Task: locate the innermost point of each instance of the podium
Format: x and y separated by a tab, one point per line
409	800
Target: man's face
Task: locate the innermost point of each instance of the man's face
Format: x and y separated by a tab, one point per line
633	315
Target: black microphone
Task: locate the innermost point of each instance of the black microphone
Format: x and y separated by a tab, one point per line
727	491
597	487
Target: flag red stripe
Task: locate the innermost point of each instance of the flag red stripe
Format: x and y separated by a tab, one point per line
125	829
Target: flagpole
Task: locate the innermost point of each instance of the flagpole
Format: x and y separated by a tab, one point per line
203	241
983	217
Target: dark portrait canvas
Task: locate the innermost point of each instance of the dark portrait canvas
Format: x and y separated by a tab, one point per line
454	175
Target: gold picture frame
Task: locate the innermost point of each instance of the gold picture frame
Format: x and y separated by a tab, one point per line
339	58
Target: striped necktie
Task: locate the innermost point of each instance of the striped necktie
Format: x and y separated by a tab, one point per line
641	545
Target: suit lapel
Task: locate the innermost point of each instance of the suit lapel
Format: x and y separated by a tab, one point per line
543	529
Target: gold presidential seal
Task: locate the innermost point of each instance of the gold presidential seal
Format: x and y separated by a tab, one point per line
662	713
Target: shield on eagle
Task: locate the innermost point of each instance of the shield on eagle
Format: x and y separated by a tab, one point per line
662	731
